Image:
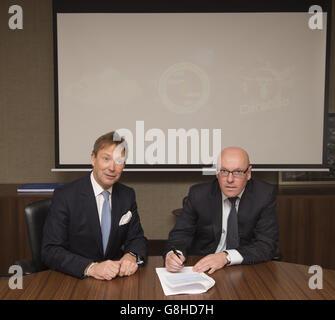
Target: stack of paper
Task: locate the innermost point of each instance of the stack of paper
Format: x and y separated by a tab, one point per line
184	282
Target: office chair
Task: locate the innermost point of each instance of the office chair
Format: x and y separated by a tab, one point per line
35	215
278	255
178	211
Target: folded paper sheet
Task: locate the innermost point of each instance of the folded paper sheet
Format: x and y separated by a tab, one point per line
184	282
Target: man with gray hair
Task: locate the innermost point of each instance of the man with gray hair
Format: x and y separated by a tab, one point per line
231	220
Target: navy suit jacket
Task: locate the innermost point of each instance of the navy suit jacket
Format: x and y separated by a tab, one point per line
198	229
72	236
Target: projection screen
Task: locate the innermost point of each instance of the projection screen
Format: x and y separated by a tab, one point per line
181	86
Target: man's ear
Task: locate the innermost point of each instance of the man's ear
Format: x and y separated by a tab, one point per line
93	158
249	172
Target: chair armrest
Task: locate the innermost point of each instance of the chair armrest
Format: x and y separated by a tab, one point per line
177	212
278	256
27	266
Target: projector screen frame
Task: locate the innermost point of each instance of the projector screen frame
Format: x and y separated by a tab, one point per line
103	6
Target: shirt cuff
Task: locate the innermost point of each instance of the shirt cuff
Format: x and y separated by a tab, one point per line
177	251
88	268
234	256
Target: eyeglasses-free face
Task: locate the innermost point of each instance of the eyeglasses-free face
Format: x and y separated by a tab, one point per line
107	165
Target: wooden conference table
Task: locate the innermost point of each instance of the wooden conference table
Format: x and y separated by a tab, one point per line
270	280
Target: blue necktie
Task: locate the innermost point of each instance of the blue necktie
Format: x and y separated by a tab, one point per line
106	219
233	238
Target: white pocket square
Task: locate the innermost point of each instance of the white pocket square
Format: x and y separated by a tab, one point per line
125	218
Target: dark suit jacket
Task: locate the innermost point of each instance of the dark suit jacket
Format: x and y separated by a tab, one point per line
72	236
198	228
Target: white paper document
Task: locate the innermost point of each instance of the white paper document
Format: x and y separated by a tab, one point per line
184	282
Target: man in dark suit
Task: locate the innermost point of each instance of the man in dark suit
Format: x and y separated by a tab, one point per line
231	220
93	228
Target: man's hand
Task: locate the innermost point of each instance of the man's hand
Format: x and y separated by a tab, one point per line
128	265
173	263
106	270
212	262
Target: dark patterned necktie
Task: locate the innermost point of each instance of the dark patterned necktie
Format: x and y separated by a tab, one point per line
233	239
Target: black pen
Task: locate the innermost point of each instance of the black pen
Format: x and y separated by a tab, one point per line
175	252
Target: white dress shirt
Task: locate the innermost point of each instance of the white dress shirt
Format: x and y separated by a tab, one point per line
234	255
99	198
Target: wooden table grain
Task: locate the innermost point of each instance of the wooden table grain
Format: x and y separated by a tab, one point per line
272	280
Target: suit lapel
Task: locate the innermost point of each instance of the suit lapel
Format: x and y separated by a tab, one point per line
245	205
216	210
91	210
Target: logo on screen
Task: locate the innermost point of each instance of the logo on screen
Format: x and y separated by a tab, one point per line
184	88
264	88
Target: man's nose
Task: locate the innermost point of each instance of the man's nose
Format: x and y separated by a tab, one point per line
230	177
112	166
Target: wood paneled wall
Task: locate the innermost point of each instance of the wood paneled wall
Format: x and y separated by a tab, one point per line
307	229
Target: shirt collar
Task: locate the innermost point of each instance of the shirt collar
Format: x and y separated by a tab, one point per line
97	189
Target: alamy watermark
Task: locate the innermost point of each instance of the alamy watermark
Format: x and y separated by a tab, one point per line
178	146
15	281
315	22
315	281
16	20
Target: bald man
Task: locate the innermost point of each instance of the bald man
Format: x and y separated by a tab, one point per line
231	220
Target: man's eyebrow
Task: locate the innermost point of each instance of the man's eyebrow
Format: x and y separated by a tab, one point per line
106	154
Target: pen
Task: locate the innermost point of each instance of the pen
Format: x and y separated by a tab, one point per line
175	252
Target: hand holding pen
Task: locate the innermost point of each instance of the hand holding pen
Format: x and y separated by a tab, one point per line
174	261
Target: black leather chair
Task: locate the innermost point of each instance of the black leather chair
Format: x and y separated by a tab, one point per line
278	256
178	211
35	215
